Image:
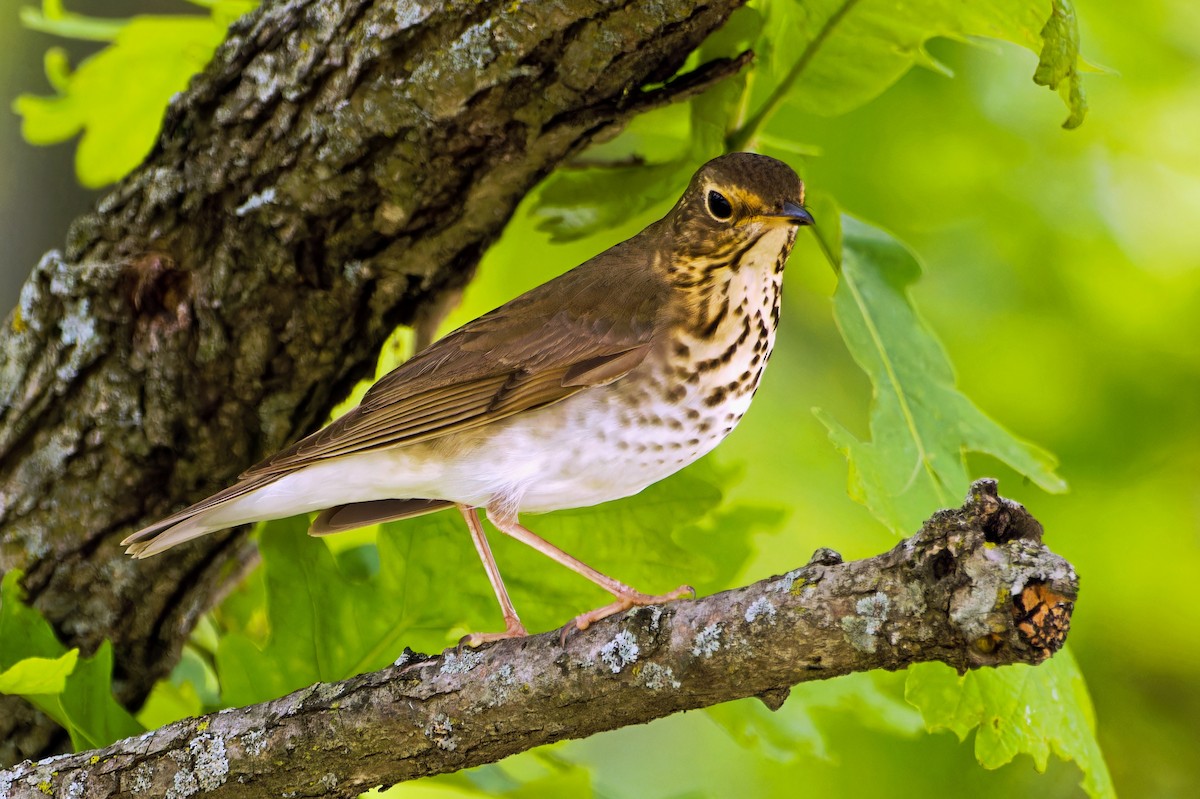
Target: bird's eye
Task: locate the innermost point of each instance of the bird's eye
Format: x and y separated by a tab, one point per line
718	206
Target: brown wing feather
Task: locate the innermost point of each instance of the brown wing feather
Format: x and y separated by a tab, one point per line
536	350
340	518
238	489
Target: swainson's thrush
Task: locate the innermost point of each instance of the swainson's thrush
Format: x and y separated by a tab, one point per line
588	388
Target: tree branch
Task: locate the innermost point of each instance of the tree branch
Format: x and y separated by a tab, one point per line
975	587
337	169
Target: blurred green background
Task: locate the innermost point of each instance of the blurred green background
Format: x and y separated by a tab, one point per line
1063	277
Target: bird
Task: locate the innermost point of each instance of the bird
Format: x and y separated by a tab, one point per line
588	388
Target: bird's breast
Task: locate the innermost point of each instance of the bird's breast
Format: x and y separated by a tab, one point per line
710	372
693	390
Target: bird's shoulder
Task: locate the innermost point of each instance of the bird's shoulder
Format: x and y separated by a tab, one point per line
609	304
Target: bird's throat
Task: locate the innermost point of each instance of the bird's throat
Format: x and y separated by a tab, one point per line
717	354
720	294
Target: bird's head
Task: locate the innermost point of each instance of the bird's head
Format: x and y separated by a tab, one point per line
734	200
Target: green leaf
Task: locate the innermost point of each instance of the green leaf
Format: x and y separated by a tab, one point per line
92	716
323	624
839	54
84	705
22	630
1016	710
169	702
921	425
428	587
117	97
717	111
794	731
55	20
38	675
576	203
825	57
1058	63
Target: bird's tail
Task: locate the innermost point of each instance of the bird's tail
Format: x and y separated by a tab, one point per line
246	502
207	516
162	536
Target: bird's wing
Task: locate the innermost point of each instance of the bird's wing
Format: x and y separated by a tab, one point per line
442	402
538	349
340	518
525	355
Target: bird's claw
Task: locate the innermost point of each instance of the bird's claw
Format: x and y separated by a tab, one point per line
513	629
625	601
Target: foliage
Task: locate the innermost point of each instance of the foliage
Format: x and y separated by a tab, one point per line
1017	709
34	675
1032	283
76	692
825	57
921	425
1058	67
116	98
794	731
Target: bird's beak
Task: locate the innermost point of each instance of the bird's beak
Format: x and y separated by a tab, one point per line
793	214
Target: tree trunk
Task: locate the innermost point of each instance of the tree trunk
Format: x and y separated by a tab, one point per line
337	169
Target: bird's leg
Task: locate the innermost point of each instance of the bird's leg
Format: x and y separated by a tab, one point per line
512	625
626	597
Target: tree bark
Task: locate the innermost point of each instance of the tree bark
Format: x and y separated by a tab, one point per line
975	587
337	169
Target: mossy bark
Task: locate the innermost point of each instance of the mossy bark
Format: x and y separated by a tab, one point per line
336	170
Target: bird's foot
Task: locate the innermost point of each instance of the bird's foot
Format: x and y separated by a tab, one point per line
625	600
512	629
